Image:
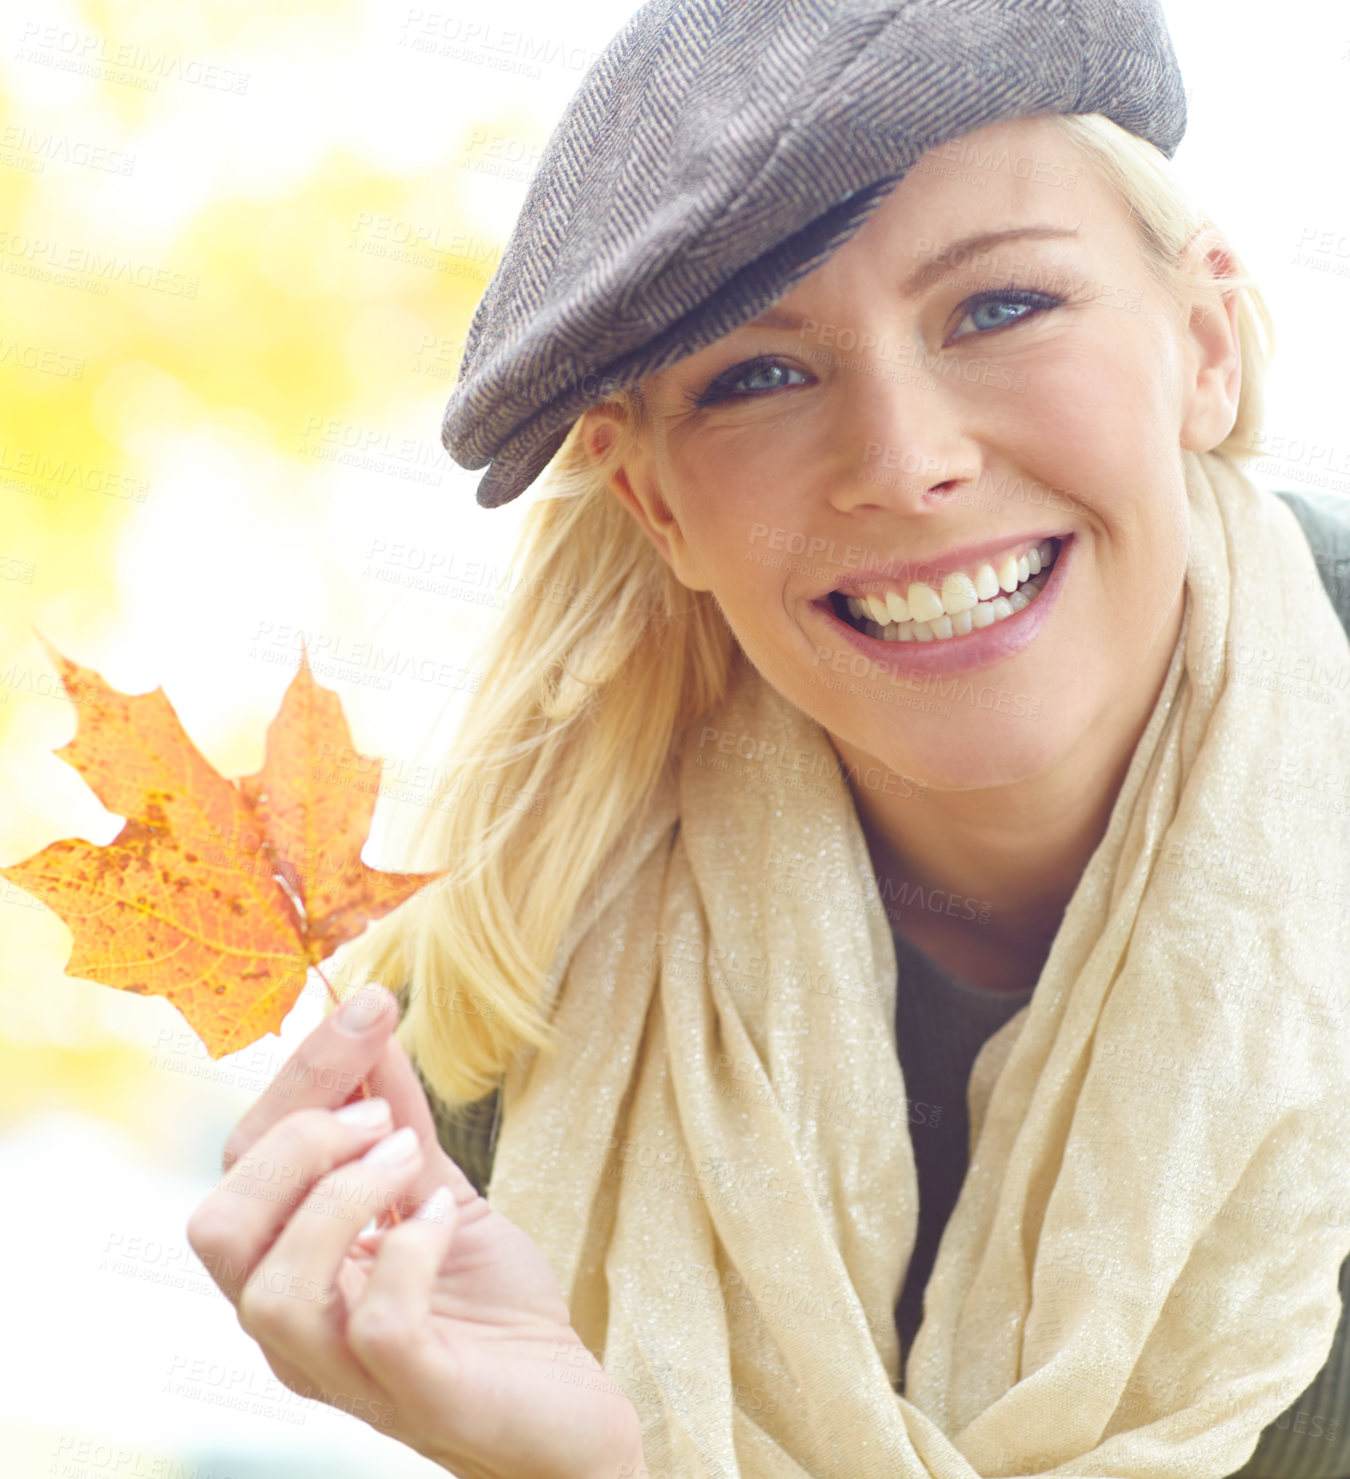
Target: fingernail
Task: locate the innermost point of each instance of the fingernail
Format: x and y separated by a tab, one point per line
394	1148
435	1206
364	1114
360	1013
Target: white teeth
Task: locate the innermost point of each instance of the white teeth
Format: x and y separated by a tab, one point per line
958	593
897	606
965	605
986	582
974	618
924	603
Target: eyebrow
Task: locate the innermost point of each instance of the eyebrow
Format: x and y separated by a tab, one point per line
949	257
947	260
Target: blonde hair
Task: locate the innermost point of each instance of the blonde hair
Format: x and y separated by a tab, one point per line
585	696
1167	220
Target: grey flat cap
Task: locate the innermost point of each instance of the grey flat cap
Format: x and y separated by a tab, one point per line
717	151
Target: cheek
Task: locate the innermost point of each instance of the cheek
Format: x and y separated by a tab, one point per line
741	525
1093	413
749	562
735	479
1101	424
748	574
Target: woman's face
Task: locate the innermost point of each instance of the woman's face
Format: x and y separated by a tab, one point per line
912	418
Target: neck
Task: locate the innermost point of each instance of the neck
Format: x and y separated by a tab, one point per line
995	866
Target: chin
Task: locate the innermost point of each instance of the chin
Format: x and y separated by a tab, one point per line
970	750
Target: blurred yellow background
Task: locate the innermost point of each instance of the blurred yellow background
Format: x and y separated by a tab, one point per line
240	245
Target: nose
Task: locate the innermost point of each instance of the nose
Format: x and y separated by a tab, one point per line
905	442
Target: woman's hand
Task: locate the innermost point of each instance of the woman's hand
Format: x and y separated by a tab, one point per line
447	1331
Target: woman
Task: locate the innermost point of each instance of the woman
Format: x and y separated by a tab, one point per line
899	555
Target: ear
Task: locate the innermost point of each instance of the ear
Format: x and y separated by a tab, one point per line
634	483
1212	377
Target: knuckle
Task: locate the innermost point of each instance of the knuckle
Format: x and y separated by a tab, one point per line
293	1129
345	1195
310	1123
294	1134
267	1316
209	1228
378	1327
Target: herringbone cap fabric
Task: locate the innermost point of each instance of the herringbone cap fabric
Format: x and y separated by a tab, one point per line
717	151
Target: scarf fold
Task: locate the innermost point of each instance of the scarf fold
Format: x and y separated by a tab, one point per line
1141	1271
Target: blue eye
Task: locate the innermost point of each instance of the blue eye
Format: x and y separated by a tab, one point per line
1028	303
734	384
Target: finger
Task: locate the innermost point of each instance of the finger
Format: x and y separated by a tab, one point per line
395	1079
389	1329
335	1377
242	1216
325	1070
291	1302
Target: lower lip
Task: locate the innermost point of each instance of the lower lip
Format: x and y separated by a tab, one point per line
968	654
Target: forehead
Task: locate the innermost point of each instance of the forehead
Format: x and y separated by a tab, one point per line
1017	173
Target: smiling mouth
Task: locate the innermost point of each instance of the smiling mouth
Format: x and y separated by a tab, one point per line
961	607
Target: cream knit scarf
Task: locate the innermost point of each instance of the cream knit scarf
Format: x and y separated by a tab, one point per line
1141	1271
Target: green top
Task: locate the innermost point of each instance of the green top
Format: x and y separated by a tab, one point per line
941	1024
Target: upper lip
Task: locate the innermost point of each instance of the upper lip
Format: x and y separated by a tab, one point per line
935	567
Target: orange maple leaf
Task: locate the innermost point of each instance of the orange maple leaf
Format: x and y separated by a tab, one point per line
216	895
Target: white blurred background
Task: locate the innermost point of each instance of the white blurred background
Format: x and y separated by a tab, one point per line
219	431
